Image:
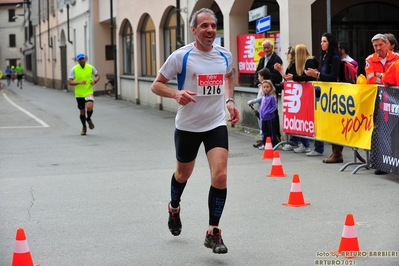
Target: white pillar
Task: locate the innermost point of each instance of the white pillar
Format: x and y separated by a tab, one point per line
295	24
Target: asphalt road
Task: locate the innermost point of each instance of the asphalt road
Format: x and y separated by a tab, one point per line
101	199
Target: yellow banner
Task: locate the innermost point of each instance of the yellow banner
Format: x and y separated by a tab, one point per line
344	113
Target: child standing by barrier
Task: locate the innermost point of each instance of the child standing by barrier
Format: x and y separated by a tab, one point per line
266	112
263	74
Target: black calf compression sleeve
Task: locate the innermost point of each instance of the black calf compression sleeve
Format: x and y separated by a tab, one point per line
176	190
216	201
83	120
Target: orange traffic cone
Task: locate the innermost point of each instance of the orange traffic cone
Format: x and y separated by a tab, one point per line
349	246
268	150
295	198
21	255
277	167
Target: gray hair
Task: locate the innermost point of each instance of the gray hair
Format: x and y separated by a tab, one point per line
193	22
379	36
269	42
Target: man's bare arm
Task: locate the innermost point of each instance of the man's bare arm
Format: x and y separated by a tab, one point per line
160	88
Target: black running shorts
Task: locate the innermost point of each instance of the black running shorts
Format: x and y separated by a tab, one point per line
187	143
82	102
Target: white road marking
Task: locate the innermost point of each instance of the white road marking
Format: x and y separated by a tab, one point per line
27	113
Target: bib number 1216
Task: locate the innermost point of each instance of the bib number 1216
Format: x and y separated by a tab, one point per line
210	84
211	90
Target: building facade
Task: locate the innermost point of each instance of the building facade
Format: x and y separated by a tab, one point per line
146	32
13	41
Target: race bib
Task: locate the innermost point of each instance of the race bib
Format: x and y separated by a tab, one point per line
210	84
89	97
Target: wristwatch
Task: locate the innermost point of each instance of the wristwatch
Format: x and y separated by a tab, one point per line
230	100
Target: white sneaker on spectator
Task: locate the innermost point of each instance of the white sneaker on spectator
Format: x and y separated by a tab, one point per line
288	147
262	147
314	153
301	149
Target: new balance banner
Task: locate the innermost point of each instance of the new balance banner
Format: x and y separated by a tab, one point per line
344	113
384	153
248	52
298	113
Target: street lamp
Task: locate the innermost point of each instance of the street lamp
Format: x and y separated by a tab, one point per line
18	15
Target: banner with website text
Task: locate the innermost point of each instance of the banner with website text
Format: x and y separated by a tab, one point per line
384	153
344	113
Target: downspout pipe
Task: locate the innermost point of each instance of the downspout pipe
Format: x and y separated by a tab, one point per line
50	41
40	28
179	42
114	49
29	23
329	16
69	38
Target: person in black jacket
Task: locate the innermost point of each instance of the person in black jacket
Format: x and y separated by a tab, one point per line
329	71
268	61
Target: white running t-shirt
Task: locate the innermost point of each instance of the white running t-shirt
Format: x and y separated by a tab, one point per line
203	73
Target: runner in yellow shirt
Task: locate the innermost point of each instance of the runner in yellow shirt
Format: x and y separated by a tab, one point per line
84	76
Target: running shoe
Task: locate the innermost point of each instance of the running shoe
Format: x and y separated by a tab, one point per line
214	241
174	222
301	149
91	125
314	153
287	147
83	133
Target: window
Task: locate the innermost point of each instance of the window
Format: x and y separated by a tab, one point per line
44	14
148	48
13	62
11	15
52	8
128	54
170	33
12	40
109	52
28	62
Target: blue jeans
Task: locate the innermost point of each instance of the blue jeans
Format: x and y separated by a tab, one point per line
298	140
319	146
261	136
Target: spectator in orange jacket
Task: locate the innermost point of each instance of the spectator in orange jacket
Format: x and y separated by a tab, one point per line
391	76
379	62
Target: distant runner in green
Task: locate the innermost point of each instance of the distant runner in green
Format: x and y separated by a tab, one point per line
20	72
